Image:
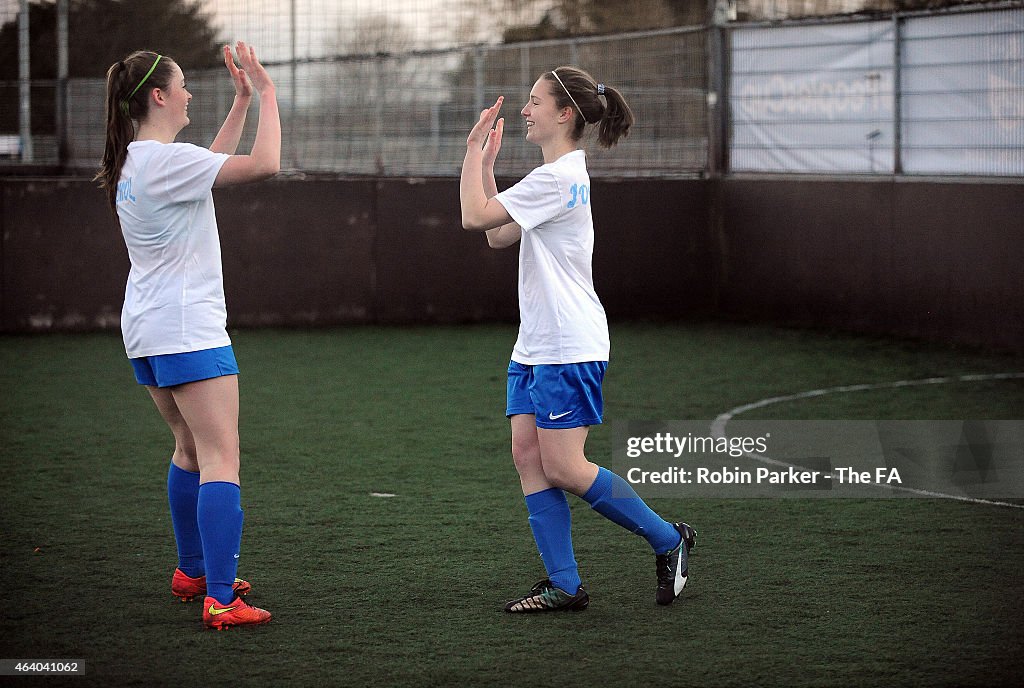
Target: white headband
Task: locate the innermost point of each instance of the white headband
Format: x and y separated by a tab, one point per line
555	73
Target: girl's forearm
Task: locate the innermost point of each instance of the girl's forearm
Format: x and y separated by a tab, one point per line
471	189
231	131
266	149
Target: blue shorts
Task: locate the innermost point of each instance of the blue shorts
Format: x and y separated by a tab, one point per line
562	395
169	370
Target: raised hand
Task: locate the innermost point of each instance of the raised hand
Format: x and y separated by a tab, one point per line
266	151
480	132
251	66
493	143
243	88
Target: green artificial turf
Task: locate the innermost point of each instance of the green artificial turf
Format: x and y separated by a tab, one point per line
407	590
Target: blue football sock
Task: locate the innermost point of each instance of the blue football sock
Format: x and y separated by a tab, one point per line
613	498
183	495
220	522
551	523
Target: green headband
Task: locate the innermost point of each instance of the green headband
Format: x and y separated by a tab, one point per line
124	103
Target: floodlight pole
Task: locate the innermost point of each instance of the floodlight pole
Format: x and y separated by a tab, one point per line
62	83
24	85
718	17
478	78
294	91
897	95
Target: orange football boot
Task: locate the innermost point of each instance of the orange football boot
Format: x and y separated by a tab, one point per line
188	588
238	613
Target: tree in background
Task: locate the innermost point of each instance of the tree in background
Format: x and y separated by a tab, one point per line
756	10
364	89
101	32
374	35
563	18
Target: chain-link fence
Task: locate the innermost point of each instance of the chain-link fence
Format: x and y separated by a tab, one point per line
409	113
391	87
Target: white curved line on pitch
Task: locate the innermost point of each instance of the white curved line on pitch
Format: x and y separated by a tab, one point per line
718	426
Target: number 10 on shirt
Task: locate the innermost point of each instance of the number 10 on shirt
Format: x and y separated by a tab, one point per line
580	193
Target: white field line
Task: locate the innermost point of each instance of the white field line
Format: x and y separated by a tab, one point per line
718	426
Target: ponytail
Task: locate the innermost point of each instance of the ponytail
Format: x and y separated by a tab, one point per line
616	119
120	132
127	101
573	87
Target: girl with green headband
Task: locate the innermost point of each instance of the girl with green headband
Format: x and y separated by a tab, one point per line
174	316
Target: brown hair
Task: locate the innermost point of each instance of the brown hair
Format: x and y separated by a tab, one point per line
123	106
579	91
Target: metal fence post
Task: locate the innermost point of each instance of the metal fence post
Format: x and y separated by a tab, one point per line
897	110
380	158
716	102
478	78
62	83
524	67
24	84
293	96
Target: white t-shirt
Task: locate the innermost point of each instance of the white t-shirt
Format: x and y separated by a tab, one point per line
174	300
561	320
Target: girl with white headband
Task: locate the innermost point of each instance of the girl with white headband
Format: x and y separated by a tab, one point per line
559	359
174	316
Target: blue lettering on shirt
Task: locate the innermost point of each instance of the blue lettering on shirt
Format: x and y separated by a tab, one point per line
124	191
580	193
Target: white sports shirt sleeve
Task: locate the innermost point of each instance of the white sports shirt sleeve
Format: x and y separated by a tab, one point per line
561	319
174	298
